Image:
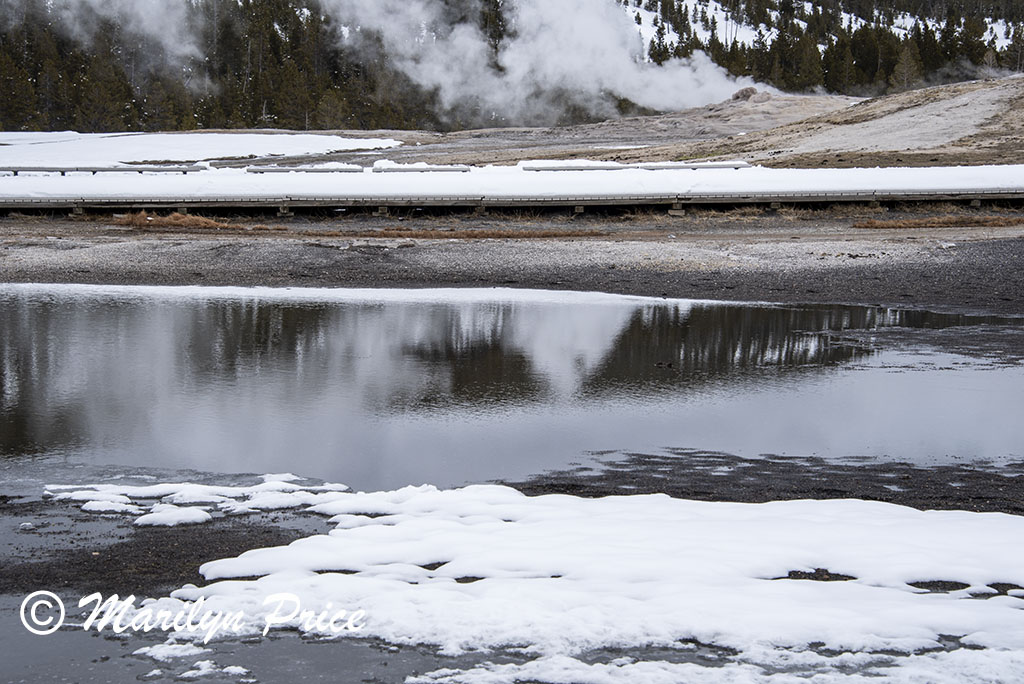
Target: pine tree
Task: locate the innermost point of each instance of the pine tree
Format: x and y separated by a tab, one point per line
971	40
949	39
929	49
167	106
17	96
292	102
658	51
864	48
808	73
888	56
760	60
333	111
908	69
837	63
783	59
105	100
1013	55
492	22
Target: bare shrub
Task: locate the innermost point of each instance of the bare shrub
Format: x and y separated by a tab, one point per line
143	220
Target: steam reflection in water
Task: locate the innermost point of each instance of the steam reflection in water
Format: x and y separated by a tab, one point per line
382	389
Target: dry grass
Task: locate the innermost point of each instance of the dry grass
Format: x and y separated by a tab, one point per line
454	234
945	222
851	211
937	208
26	218
741	214
145	221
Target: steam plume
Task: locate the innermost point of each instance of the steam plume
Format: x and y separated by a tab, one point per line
165	23
584	54
588	50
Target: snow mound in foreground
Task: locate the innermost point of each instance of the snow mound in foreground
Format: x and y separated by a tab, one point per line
557	577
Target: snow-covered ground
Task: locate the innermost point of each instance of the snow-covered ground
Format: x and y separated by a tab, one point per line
556	578
944	122
498	183
67	148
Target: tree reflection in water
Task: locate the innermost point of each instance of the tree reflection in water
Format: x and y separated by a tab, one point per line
96	371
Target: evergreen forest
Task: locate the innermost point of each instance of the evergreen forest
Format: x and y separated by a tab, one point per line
286	64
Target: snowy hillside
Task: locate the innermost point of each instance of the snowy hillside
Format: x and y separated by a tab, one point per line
710	16
455	64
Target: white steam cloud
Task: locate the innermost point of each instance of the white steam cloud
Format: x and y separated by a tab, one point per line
556	54
163	23
585	49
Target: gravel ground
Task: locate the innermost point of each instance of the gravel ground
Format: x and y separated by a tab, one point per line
67	549
711	476
789	256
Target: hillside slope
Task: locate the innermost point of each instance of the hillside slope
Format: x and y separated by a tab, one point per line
970	123
977	122
643	137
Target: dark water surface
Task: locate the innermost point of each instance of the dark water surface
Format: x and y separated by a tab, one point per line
379	389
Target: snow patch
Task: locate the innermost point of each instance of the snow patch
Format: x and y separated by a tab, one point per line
90	495
169	515
487	567
110	507
312	294
169	651
281	477
68	148
202	668
178	500
558	577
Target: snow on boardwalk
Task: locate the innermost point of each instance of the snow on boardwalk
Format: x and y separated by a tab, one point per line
558	577
525	184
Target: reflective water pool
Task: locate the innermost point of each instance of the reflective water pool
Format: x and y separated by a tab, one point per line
380	389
